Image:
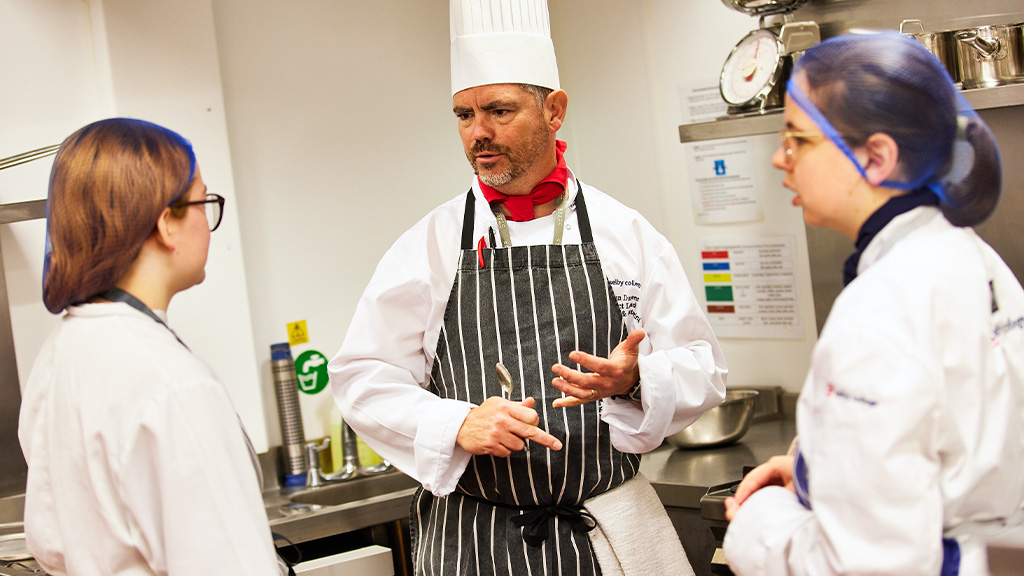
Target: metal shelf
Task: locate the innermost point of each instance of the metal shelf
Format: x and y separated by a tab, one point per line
19	211
770	122
995	97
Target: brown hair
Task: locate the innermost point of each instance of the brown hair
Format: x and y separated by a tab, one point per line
110	182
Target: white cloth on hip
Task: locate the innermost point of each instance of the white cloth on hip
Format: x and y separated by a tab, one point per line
633	536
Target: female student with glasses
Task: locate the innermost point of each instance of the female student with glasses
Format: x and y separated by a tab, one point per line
137	461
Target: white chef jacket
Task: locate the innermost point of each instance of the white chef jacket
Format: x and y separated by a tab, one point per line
911	419
380	376
137	461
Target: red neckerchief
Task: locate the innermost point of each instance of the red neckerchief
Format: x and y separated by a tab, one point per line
521	207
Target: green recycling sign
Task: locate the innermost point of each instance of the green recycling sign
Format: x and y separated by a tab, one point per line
311	369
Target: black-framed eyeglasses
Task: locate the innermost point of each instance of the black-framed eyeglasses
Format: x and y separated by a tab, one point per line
214	205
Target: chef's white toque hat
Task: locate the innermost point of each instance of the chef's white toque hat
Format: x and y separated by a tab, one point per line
502	42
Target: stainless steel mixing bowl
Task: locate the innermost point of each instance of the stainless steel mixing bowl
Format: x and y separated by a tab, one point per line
723	424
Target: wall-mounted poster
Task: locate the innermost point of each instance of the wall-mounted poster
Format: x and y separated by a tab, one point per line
723	181
750	287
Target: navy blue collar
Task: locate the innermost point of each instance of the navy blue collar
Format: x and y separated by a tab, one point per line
873	225
118	295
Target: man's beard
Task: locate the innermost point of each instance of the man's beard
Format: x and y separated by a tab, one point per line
518	161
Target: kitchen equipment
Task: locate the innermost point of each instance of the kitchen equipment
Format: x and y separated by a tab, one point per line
723	424
991	55
754	75
13	548
760	7
28	156
369	561
941	44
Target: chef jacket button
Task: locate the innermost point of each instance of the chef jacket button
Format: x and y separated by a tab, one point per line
568	226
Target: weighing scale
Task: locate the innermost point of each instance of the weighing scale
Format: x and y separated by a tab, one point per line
754	76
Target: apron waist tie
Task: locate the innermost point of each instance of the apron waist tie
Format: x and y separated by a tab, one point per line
535	520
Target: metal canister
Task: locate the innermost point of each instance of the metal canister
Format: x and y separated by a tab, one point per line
991	55
293	438
941	44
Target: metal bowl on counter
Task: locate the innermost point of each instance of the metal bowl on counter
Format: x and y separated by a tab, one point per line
722	425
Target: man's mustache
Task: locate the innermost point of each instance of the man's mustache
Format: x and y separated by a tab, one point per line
489	147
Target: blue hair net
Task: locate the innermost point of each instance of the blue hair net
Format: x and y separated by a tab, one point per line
885	82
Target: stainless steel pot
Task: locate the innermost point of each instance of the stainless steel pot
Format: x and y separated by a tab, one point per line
991	55
941	44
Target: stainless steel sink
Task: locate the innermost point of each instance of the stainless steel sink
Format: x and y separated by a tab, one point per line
305	514
356	489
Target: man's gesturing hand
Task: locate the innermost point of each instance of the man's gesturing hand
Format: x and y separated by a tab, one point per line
499	427
607	377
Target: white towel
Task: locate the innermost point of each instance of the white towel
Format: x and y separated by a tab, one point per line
634	536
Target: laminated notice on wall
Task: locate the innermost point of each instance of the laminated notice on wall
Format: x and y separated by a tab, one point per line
750	287
723	181
702	102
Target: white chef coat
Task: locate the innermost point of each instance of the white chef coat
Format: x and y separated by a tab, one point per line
380	375
137	462
911	419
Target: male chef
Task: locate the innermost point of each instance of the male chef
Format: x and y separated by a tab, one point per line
578	297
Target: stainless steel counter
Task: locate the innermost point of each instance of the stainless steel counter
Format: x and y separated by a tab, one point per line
682	477
304	514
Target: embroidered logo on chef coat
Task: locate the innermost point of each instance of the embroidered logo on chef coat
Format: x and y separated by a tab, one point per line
846	396
627	294
1012	324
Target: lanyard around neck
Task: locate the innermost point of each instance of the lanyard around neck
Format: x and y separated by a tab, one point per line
118	295
506	240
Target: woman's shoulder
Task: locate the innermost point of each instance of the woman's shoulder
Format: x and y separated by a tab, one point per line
939	257
931	278
127	348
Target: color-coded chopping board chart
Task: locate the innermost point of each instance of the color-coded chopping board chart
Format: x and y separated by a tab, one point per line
750	287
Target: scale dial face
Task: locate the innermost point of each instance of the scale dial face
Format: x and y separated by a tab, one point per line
752	69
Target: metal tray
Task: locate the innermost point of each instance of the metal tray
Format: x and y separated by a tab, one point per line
13	548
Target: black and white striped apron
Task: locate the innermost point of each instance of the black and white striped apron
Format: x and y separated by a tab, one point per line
526	307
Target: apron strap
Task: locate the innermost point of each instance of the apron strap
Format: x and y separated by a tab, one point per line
582	218
586	233
535	520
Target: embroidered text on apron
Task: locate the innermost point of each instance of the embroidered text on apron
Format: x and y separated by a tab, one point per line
526	307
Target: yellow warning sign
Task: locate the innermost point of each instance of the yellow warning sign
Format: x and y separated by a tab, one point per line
297	333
